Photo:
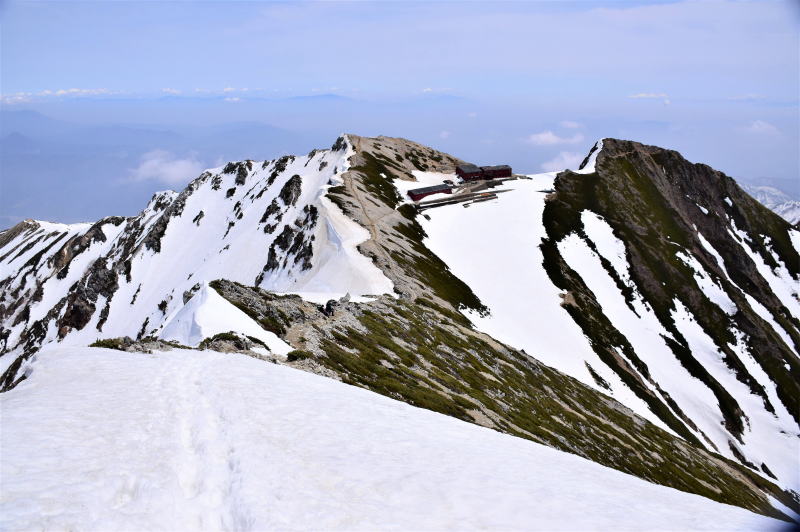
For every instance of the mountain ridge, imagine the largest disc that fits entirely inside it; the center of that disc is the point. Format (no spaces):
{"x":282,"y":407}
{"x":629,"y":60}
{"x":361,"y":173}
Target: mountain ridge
{"x":334,"y":224}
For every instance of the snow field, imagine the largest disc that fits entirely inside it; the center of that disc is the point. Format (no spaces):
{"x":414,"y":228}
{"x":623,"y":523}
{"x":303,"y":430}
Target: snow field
{"x":644,"y":332}
{"x":707,"y":285}
{"x":525,"y":306}
{"x":99,"y":439}
{"x":590,"y":164}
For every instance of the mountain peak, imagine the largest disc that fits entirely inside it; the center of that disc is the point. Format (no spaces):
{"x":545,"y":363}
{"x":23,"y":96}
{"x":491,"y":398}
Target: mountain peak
{"x":644,"y":291}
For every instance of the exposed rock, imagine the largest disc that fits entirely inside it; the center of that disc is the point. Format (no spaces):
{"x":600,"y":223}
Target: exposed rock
{"x":291,"y":190}
{"x":99,"y":280}
{"x":241,"y":170}
{"x":278,"y":168}
{"x":272,"y":210}
{"x":189,"y":294}
{"x":78,"y":244}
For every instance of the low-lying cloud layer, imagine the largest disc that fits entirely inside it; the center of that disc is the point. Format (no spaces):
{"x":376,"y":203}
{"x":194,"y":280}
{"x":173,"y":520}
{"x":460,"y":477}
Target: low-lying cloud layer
{"x":548,"y":138}
{"x":565,"y":160}
{"x":164,"y":167}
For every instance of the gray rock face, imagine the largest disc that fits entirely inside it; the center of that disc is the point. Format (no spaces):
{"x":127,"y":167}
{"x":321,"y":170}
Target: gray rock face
{"x":291,"y":190}
{"x":77,"y":245}
{"x":657,"y":202}
{"x":241,"y":169}
{"x":80,"y":305}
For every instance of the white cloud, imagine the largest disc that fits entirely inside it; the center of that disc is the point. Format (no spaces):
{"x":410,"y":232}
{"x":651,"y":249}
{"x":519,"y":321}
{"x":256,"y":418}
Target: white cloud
{"x":24,"y":97}
{"x":165,"y":167}
{"x":444,"y":134}
{"x":78,"y":92}
{"x":17,"y":97}
{"x":472,"y":114}
{"x":651,"y":96}
{"x":569,"y":124}
{"x":648,"y":96}
{"x":760,"y":127}
{"x":233,"y":99}
{"x":563,"y":161}
{"x":170,"y":91}
{"x":746,"y":98}
{"x":548,"y":138}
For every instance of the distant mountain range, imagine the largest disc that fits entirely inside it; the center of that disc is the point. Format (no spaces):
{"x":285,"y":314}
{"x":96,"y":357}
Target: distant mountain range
{"x":777,"y":201}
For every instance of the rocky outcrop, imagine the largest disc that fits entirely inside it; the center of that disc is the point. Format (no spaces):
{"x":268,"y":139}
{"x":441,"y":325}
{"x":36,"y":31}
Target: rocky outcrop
{"x":80,"y":243}
{"x":291,"y":191}
{"x":657,"y":202}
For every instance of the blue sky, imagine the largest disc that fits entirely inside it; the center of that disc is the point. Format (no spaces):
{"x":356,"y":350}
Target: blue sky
{"x":530,"y":83}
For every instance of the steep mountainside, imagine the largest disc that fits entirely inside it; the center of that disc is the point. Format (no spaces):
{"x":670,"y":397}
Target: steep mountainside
{"x":705,"y":307}
{"x":662,"y":299}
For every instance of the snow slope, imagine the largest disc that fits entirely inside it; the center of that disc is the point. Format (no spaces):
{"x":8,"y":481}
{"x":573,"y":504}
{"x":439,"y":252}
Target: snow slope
{"x":525,"y":306}
{"x":99,"y":440}
{"x":509,"y":277}
{"x":267,"y":224}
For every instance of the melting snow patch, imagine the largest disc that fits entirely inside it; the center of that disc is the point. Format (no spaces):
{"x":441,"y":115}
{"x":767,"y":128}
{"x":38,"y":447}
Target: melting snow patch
{"x":708,"y":247}
{"x":763,"y":431}
{"x":707,"y":285}
{"x":608,"y":245}
{"x":759,"y":309}
{"x":780,"y":281}
{"x":794,"y":236}
{"x":646,"y":335}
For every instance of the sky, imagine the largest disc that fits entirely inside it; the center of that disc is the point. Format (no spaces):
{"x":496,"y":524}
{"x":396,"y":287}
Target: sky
{"x":103,"y":103}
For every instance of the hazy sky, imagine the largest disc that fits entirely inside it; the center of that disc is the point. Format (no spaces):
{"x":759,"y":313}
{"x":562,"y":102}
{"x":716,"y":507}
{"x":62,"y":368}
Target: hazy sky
{"x":138,"y":96}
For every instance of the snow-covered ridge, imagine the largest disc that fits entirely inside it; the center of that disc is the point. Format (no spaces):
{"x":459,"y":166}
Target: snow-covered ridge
{"x":266,"y":223}
{"x":198,"y":440}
